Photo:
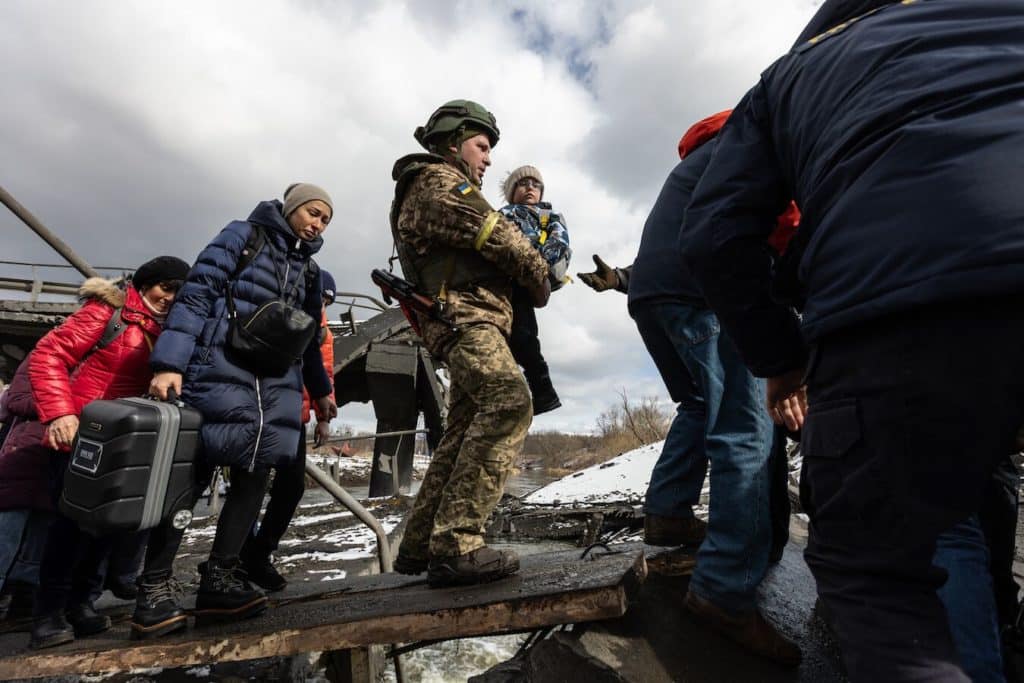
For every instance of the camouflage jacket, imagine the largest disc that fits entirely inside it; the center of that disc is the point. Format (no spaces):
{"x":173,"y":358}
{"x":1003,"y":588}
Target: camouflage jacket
{"x":442,"y":212}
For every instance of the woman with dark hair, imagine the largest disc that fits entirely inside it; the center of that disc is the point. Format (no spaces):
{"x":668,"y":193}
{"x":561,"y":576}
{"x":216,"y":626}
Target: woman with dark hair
{"x":100,"y":352}
{"x":250,"y":413}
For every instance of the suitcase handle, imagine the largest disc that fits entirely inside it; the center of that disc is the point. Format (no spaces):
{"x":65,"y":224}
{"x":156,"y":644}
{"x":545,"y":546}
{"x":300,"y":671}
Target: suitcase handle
{"x":172,"y":397}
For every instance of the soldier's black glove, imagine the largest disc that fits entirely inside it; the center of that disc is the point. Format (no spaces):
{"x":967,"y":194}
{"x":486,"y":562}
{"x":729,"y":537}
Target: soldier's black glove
{"x":605,"y":277}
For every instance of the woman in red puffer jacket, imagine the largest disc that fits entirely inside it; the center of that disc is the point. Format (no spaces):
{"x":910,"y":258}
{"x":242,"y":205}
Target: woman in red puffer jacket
{"x":67,"y":370}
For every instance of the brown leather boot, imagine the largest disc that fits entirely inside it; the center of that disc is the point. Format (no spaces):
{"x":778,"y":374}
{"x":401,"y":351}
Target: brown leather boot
{"x":659,"y":530}
{"x":477,"y":566}
{"x":750,"y":630}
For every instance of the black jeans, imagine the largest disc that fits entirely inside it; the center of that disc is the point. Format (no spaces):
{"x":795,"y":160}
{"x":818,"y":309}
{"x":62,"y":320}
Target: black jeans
{"x":73,"y":562}
{"x":240,"y":510}
{"x":285,"y":493}
{"x":73,"y":565}
{"x":524,"y":343}
{"x":909,"y":416}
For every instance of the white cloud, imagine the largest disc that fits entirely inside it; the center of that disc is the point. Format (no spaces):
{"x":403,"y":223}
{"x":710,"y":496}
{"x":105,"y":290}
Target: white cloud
{"x":137,"y":128}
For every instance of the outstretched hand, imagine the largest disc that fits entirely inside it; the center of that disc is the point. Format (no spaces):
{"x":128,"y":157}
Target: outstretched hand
{"x":601,"y":279}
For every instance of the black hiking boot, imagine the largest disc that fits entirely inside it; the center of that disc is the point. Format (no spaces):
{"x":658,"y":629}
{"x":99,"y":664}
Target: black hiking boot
{"x":225,"y":594}
{"x":157,"y":611}
{"x":86,"y":621}
{"x":672,"y":531}
{"x":261,"y":571}
{"x":50,"y":630}
{"x":477,"y":566}
{"x":16,"y":601}
{"x":406,"y":564}
{"x":120,"y":589}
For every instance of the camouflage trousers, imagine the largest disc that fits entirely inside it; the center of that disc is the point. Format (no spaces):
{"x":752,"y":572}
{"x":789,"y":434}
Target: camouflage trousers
{"x":489,"y":412}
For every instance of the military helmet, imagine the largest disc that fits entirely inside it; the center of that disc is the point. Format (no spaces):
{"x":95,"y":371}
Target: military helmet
{"x":450,"y":117}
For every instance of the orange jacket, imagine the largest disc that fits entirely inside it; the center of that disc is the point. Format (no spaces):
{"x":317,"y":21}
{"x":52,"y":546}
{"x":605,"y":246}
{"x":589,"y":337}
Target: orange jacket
{"x":327,"y":351}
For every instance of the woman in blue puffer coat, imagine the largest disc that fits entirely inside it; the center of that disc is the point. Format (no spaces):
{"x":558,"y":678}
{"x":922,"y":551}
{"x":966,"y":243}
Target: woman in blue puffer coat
{"x":250,"y":422}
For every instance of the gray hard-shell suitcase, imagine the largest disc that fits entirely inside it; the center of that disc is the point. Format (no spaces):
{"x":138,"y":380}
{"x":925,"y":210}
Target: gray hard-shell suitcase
{"x":133,"y":465}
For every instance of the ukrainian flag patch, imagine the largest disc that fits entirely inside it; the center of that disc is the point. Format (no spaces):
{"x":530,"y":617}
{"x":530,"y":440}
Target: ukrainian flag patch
{"x":464,"y":188}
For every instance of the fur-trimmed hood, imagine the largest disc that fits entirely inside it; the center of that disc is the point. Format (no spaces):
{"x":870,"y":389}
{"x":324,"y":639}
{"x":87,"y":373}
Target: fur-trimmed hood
{"x":102,"y":289}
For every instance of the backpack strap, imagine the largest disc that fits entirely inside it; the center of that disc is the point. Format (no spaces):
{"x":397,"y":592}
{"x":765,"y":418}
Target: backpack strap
{"x":253,"y":244}
{"x":257,"y":238}
{"x":544,"y":217}
{"x":114,"y":329}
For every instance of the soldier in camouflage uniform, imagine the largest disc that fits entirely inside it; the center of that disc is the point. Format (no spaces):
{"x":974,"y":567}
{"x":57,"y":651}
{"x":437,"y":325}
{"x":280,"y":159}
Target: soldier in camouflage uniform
{"x":456,"y":248}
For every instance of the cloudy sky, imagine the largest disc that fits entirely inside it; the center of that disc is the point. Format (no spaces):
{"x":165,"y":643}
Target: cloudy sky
{"x":134,"y":129}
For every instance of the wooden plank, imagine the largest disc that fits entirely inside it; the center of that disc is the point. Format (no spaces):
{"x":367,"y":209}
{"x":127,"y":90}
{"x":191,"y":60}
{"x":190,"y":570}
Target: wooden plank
{"x":554,"y":588}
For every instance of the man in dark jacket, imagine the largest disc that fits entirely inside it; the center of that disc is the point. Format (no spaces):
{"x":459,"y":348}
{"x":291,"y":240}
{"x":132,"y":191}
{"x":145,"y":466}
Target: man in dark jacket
{"x":899,"y":134}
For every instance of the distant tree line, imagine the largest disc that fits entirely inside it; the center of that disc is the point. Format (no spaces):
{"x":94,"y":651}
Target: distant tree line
{"x":623,"y":426}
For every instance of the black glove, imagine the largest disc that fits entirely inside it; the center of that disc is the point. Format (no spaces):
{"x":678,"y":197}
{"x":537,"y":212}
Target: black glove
{"x":605,"y":277}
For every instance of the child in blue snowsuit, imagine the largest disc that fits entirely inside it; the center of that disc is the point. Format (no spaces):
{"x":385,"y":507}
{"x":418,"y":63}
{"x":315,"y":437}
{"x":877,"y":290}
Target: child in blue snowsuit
{"x":524,"y":189}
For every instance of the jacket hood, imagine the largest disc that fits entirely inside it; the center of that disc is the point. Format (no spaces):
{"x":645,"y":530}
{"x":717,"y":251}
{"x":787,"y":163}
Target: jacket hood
{"x":417,"y":158}
{"x":270,"y":214}
{"x":702,"y":131}
{"x":835,"y":12}
{"x":101,"y":289}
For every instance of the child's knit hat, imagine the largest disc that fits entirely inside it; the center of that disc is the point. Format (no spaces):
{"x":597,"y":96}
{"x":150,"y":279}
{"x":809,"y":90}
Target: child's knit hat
{"x":509,"y":184}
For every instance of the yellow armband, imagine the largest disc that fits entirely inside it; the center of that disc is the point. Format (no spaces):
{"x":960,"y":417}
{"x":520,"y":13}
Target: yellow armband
{"x":486,"y":229}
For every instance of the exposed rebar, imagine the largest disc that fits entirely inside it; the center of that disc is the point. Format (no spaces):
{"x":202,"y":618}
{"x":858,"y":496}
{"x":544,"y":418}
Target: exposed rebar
{"x":57,"y":243}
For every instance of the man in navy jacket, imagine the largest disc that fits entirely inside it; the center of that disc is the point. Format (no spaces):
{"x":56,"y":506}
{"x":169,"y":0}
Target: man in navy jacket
{"x":899,"y":133}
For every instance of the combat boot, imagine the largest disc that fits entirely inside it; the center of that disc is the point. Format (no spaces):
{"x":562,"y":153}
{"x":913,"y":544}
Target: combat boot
{"x":673,"y":531}
{"x":477,"y":566}
{"x":157,"y":611}
{"x":225,"y":594}
{"x":50,"y":630}
{"x":406,"y":564}
{"x":750,"y":630}
{"x":260,"y":570}
{"x":86,"y":620}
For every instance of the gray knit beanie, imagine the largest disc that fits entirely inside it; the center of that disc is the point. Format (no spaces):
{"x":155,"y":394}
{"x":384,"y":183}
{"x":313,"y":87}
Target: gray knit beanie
{"x":509,"y":185}
{"x":298,"y":194}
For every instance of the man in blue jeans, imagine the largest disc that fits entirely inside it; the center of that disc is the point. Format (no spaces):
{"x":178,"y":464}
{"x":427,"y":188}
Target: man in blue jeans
{"x":721,"y":419}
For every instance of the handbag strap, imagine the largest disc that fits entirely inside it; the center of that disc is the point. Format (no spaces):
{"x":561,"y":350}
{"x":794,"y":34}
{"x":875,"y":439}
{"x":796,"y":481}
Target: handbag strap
{"x":257,"y":239}
{"x":282,"y":284}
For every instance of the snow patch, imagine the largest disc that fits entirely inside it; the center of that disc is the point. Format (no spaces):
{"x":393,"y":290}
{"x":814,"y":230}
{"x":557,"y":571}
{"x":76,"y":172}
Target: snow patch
{"x":622,"y":479}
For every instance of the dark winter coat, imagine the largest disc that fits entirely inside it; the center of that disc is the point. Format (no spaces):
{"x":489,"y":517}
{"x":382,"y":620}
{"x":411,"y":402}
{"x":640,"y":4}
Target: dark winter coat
{"x":25,"y":463}
{"x":900,"y":137}
{"x":659,"y":272}
{"x":248,"y":421}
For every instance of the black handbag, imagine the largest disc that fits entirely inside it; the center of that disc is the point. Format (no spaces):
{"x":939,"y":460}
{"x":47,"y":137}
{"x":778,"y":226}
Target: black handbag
{"x":274,"y":336}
